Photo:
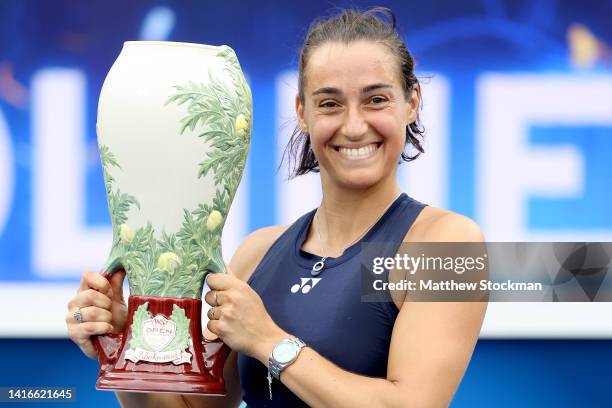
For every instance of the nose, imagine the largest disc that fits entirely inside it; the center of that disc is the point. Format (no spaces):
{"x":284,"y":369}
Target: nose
{"x":355,"y":125}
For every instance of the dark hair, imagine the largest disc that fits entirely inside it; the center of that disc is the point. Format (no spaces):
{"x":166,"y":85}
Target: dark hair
{"x":377,"y":24}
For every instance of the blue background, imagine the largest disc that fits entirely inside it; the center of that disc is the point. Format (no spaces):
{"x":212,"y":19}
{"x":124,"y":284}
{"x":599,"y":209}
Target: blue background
{"x":460,"y":40}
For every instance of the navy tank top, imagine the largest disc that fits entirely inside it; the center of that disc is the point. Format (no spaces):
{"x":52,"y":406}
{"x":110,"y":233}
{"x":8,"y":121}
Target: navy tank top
{"x":326,"y":312}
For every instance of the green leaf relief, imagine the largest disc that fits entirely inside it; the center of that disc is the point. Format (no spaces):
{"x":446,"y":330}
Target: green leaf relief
{"x":181,"y":340}
{"x":140,"y":316}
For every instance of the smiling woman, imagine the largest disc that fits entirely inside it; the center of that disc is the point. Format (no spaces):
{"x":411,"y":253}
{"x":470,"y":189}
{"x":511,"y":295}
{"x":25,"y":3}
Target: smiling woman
{"x":392,"y":61}
{"x":290,"y":306}
{"x":357,"y":109}
{"x":356,"y":113}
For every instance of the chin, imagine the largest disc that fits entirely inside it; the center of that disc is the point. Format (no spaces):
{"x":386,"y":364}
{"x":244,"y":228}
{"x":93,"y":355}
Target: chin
{"x":361,"y":180}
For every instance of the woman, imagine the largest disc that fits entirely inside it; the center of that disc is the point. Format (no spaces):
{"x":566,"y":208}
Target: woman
{"x":357,"y":109}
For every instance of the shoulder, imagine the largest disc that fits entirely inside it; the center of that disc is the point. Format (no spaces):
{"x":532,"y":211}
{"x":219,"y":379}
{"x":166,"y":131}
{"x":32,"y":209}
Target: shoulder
{"x":440,"y":225}
{"x":252,"y":250}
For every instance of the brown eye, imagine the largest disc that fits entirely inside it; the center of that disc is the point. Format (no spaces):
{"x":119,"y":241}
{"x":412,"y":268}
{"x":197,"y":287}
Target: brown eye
{"x":377,"y":100}
{"x":328,"y":104}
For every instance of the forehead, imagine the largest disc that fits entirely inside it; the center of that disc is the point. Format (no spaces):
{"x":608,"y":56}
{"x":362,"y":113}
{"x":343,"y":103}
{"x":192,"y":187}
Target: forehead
{"x":351,"y":66}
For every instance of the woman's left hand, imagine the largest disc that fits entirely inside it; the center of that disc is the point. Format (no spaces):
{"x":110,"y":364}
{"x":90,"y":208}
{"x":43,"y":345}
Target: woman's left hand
{"x":239,"y":317}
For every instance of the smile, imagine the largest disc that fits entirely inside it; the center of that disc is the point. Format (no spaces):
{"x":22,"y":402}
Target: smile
{"x":362,"y":152}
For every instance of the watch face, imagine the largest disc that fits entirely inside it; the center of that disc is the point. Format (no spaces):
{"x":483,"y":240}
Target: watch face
{"x":284,"y":352}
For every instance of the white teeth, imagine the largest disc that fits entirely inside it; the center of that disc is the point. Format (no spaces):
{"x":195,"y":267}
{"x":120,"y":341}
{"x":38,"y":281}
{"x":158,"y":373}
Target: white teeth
{"x":362,"y":151}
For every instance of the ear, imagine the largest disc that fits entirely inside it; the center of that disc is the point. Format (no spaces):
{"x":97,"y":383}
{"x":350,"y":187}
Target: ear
{"x":299,"y":111}
{"x":414,"y":103}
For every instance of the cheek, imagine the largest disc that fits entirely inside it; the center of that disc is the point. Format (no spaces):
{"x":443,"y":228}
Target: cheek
{"x":392,"y":130}
{"x":323,"y":129}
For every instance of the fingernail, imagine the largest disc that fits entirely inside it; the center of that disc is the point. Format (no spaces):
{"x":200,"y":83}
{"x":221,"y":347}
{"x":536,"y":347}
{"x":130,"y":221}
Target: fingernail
{"x":111,"y":293}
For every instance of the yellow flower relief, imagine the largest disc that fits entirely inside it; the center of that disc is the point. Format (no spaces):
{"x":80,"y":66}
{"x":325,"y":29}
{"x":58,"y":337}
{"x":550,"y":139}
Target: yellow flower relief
{"x":241,"y":125}
{"x":168,"y":261}
{"x":125,"y":233}
{"x":214,"y":220}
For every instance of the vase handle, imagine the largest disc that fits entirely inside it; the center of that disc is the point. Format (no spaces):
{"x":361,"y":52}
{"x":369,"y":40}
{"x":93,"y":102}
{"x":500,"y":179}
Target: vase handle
{"x":215,"y":354}
{"x":107,"y":345}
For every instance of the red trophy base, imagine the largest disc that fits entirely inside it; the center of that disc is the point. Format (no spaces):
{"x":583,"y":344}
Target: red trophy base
{"x":202,"y":375}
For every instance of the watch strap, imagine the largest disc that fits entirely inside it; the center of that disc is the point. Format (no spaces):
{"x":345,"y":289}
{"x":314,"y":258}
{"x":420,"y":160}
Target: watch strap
{"x":274,"y":367}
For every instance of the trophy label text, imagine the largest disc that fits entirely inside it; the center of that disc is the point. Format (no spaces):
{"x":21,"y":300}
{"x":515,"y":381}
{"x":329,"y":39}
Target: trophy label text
{"x":158,"y":332}
{"x":158,"y":339}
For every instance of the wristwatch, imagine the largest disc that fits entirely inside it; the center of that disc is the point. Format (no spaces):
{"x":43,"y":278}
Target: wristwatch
{"x":283,"y":354}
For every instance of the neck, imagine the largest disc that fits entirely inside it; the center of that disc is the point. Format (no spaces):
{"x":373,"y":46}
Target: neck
{"x":346,"y":214}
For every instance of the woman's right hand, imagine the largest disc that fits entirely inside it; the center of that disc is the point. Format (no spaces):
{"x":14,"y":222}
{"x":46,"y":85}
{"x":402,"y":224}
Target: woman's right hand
{"x":102,"y":307}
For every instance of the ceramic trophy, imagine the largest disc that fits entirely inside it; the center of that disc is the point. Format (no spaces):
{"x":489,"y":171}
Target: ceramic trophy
{"x":174,"y":126}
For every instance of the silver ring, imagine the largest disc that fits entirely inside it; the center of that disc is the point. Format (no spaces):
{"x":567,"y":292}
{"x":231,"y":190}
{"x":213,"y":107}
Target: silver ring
{"x":78,"y":316}
{"x":215,"y":296}
{"x":212,"y":313}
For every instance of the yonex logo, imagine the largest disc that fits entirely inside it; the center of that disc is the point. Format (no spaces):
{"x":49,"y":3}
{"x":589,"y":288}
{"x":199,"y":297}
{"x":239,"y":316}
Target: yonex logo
{"x":305,"y":285}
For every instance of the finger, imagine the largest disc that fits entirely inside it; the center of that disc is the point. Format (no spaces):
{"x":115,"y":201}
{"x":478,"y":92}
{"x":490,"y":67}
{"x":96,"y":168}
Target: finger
{"x":96,"y":314}
{"x":116,"y":283}
{"x":221,"y":281}
{"x":214,"y":313}
{"x":89,"y":349}
{"x":92,"y":280}
{"x":228,"y":270}
{"x":209,"y":297}
{"x":81,"y":332}
{"x":209,"y":335}
{"x":214,"y":297}
{"x":70,"y":317}
{"x":90,"y":297}
{"x":84,"y":342}
{"x":213,"y":327}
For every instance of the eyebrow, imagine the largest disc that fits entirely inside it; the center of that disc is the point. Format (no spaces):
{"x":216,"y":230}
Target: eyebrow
{"x":364,"y":90}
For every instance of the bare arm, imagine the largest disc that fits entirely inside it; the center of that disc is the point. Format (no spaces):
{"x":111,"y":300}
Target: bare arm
{"x":431,"y":346}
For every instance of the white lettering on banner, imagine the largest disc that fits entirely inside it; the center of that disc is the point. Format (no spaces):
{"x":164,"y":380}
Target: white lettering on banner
{"x":509,"y":170}
{"x":7,"y":177}
{"x":176,"y":356}
{"x":158,"y":332}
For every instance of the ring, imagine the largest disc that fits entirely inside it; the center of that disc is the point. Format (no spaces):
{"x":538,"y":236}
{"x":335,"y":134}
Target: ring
{"x":215,"y":296}
{"x":212,"y":313}
{"x":78,"y":316}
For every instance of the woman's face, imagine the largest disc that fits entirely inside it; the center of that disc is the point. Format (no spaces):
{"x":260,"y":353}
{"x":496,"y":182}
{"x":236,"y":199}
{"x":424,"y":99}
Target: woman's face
{"x":355,"y":112}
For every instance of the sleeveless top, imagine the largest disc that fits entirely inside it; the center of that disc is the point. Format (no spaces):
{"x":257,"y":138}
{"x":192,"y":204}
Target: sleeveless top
{"x":326,"y":312}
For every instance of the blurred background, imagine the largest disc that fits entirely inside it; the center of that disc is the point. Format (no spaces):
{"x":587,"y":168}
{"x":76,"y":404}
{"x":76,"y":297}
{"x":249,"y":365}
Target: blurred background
{"x":518,"y":112}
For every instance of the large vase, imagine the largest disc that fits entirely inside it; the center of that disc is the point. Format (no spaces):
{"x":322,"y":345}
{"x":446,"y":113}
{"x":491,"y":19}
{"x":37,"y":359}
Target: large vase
{"x":174,"y":126}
